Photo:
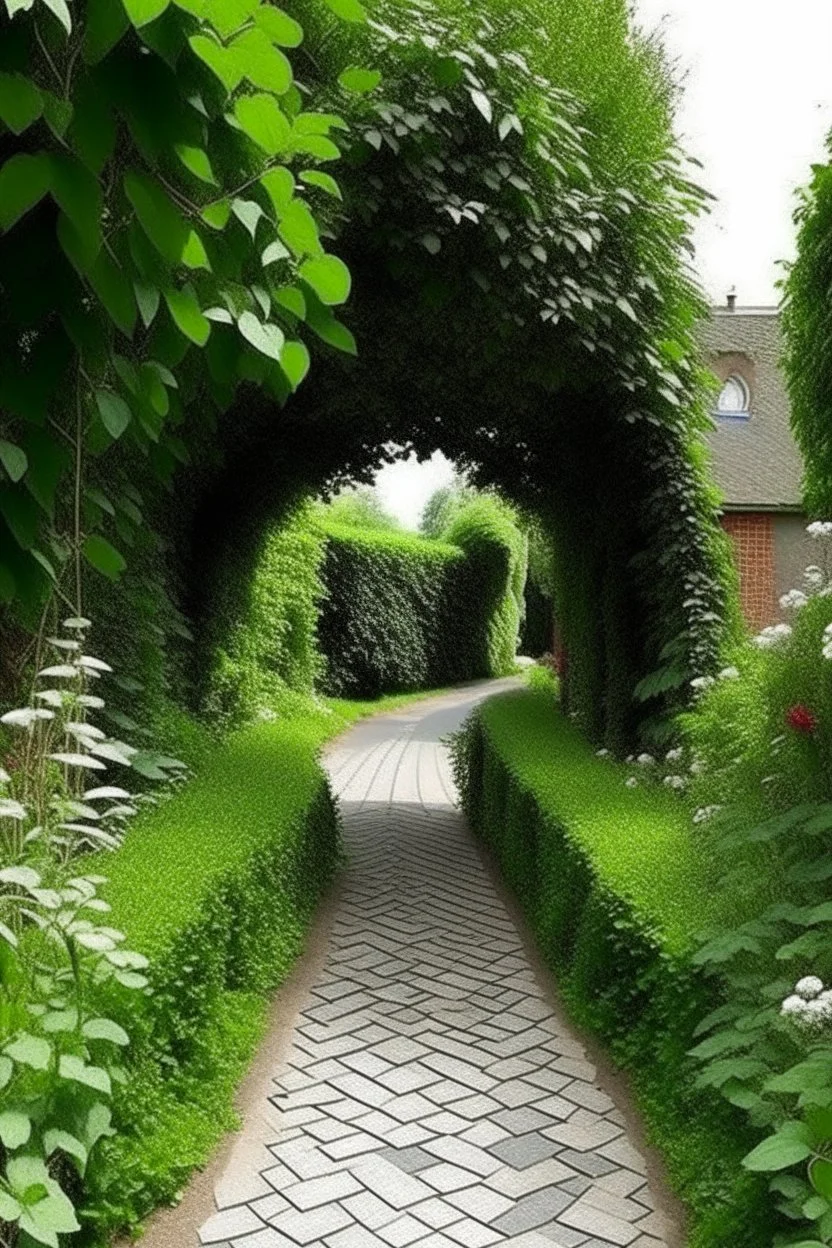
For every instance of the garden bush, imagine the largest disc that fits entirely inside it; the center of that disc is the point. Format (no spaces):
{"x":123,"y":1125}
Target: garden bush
{"x":616,"y":891}
{"x":215,"y":887}
{"x":402,"y":612}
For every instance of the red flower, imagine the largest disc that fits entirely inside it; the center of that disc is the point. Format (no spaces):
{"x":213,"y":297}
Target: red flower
{"x":801,"y":719}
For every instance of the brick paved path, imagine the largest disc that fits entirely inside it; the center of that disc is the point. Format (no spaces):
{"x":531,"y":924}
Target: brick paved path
{"x":432,"y":1096}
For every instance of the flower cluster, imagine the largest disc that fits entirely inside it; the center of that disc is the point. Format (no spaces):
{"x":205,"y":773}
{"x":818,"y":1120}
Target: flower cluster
{"x":826,"y":642}
{"x":810,"y":1003}
{"x":772,"y":636}
{"x":820,"y":529}
{"x":704,"y":813}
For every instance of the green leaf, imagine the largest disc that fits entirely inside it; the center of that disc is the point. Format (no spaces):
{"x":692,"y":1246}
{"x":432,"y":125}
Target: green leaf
{"x":24,"y":180}
{"x":220,"y":60}
{"x":10,"y":1209}
{"x":194,"y":255}
{"x":249,"y":213}
{"x":262,"y":63}
{"x":820,"y":1176}
{"x":292,"y":298}
{"x":13,"y":460}
{"x":187,"y":314}
{"x":61,"y":11}
{"x":106,"y":559}
{"x":141,"y":12}
{"x":105,"y":24}
{"x":105,"y":1029}
{"x":196,"y":160}
{"x":266,"y":338}
{"x":274,"y":252}
{"x":315,"y":177}
{"x":279,"y":26}
{"x":148,"y":298}
{"x":114,"y":290}
{"x":160,"y":219}
{"x":77,"y":192}
{"x":348,"y":10}
{"x":20,"y":102}
{"x":79,"y":1071}
{"x":6,"y":1070}
{"x":261,"y":119}
{"x":358,"y":80}
{"x":279,"y":185}
{"x":217,"y":215}
{"x":294,"y":360}
{"x":50,"y":1217}
{"x":114,"y":412}
{"x":329,"y":277}
{"x":777,"y":1152}
{"x":298,"y":229}
{"x":56,"y":1139}
{"x":31,"y":1051}
{"x":226,"y":16}
{"x":15,"y":1128}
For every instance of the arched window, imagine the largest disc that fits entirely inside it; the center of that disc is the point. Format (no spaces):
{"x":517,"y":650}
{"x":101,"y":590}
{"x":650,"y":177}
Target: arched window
{"x":733,"y":398}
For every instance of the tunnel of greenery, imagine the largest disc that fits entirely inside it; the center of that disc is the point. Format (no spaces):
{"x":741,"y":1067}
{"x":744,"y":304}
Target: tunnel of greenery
{"x":515,"y":216}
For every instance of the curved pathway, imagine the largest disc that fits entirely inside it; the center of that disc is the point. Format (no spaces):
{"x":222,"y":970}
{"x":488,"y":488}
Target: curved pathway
{"x":432,"y":1094}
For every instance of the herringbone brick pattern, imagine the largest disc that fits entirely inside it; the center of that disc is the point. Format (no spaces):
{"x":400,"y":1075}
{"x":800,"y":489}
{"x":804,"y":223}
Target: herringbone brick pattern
{"x":432,"y":1095}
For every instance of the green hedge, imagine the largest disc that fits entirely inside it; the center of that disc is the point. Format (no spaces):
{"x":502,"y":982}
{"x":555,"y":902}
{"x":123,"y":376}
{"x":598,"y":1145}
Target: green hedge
{"x":216,"y":886}
{"x":616,"y":890}
{"x":402,"y":612}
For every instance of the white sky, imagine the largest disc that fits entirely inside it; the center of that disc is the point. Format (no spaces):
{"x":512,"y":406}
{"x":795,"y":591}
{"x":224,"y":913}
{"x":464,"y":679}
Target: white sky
{"x":756,"y":110}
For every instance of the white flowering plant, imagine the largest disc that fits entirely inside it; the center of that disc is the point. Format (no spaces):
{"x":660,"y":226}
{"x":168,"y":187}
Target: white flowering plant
{"x":765,"y":795}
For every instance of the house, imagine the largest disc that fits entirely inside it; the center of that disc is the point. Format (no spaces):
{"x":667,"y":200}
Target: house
{"x":755,"y":459}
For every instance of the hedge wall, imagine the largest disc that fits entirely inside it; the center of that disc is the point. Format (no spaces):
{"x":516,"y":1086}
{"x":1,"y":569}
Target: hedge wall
{"x":615,"y":892}
{"x":401,"y":612}
{"x":216,"y":887}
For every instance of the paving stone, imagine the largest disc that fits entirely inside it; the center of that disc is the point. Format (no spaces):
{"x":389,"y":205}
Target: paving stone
{"x":269,"y":1206}
{"x":411,"y":1160}
{"x":448,"y":1178}
{"x":436,"y":1212}
{"x":309,"y":1226}
{"x":472,"y":1234}
{"x":390,"y":1183}
{"x":369,"y":1210}
{"x":603,"y":1226}
{"x":517,"y":1183}
{"x":461,"y":1153}
{"x":480,"y":1202}
{"x":403,"y":1231}
{"x":229,"y":1223}
{"x":267,"y":1238}
{"x":521,"y":1121}
{"x":354,"y":1237}
{"x":534,"y":1210}
{"x":524,"y":1150}
{"x":326,"y":1190}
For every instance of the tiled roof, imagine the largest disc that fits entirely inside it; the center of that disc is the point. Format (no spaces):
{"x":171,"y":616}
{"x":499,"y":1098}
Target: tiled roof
{"x":756,"y":462}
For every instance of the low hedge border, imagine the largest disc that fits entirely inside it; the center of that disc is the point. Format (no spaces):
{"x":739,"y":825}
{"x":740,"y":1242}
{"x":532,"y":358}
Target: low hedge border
{"x":616,"y":892}
{"x":216,"y":886}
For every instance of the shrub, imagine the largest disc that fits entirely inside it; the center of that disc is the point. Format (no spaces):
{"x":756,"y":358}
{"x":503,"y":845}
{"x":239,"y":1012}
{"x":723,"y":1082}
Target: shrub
{"x":215,"y":887}
{"x":265,"y":628}
{"x":616,"y":891}
{"x":402,"y":612}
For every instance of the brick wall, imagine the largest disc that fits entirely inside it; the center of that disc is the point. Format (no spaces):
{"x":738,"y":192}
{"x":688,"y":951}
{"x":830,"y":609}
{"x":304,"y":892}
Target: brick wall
{"x":752,"y":534}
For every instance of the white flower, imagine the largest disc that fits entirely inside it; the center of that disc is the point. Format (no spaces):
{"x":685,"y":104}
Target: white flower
{"x":820,"y":528}
{"x":771,"y":636}
{"x":793,"y":1005}
{"x":697,"y":767}
{"x":4,"y":776}
{"x":813,"y":578}
{"x":729,"y":673}
{"x":704,"y":813}
{"x":10,"y":809}
{"x":267,"y":714}
{"x":793,"y":600}
{"x":673,"y":756}
{"x":675,"y":782}
{"x":602,"y":753}
{"x":26,"y":716}
{"x":808,"y":987}
{"x":631,"y":782}
{"x":645,"y":760}
{"x":702,"y":682}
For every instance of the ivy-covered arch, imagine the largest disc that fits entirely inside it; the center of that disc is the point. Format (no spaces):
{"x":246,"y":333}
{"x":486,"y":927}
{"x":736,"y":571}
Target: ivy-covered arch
{"x":519,"y":300}
{"x":515,"y":215}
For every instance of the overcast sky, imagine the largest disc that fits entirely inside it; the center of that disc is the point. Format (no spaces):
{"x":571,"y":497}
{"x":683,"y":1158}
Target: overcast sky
{"x":756,"y":109}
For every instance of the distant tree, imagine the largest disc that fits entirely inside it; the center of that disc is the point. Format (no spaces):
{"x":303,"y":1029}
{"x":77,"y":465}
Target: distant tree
{"x":359,"y":507}
{"x":443,"y":506}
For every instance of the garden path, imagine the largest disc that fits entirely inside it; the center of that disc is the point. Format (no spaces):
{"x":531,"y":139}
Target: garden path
{"x":432,"y":1093}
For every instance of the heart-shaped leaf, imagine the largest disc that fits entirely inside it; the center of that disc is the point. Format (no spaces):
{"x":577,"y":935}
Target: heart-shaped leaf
{"x":220,"y":60}
{"x":329,"y":277}
{"x":266,"y":338}
{"x":114,"y":412}
{"x":13,"y":460}
{"x":261,"y":119}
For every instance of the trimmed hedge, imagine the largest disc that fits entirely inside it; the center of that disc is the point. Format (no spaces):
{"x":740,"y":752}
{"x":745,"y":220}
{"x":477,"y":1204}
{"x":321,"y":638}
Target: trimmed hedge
{"x":616,"y":890}
{"x":216,"y":886}
{"x":402,"y":612}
